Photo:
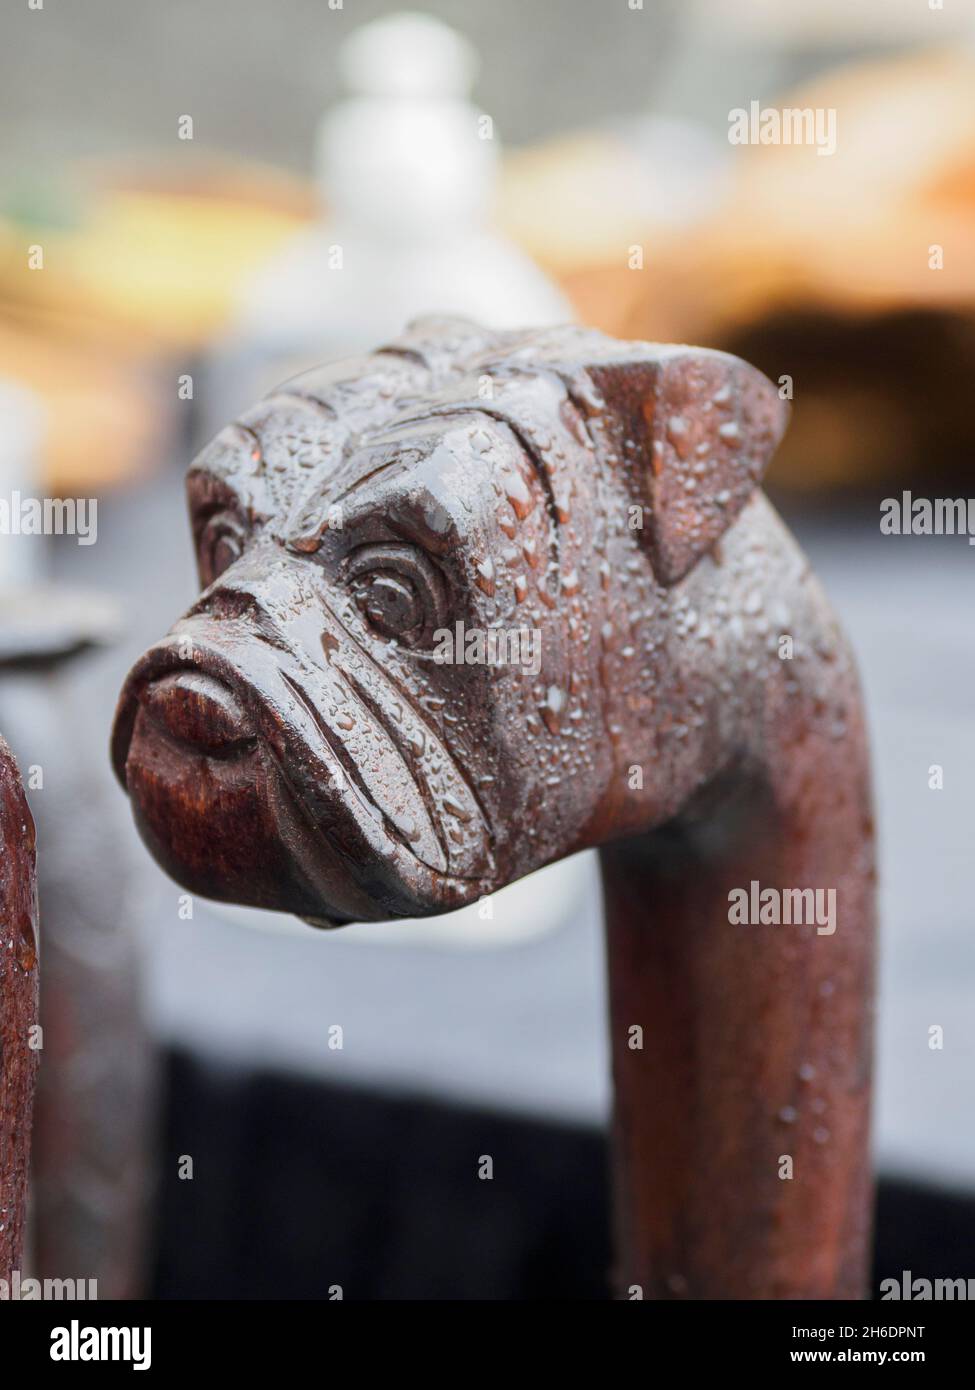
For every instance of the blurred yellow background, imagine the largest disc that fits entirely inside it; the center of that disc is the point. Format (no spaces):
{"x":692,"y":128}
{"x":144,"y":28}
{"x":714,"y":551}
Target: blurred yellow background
{"x":815,"y":267}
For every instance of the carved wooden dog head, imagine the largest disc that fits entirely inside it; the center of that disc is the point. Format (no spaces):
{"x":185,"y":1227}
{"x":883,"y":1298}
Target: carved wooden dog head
{"x":329,"y":730}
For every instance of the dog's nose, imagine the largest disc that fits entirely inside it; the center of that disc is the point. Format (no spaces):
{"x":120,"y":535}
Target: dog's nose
{"x":196,"y":710}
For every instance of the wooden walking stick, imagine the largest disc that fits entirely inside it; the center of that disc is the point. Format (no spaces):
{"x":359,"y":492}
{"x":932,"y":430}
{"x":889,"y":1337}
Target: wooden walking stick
{"x":18,"y":1009}
{"x":481,"y":600}
{"x":94,"y":1107}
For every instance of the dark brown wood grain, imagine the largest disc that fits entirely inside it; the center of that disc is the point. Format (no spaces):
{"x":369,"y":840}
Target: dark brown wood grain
{"x":757,"y":1038}
{"x":691,"y":710}
{"x":92,"y":1172}
{"x":18,"y":1008}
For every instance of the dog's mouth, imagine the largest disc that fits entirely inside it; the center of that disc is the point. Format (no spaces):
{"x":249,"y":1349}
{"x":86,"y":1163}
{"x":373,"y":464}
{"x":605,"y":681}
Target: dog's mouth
{"x":258,"y":779}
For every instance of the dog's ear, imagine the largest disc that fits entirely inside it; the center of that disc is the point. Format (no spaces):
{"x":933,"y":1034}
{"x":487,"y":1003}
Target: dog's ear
{"x":695,"y":430}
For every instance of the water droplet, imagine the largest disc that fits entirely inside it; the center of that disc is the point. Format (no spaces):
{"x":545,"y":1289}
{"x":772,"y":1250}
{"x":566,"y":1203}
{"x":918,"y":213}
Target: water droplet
{"x":485,"y":576}
{"x":553,"y":708}
{"x":518,"y":494}
{"x":452,"y":807}
{"x":25,"y":947}
{"x":549,"y":600}
{"x":678,"y":432}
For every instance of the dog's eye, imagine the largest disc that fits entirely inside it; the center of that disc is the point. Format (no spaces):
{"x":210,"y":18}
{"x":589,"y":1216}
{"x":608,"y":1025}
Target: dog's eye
{"x":398,"y":592}
{"x":221,"y":542}
{"x":391,"y":604}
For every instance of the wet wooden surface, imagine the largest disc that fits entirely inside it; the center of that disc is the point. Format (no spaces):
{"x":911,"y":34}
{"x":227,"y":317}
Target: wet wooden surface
{"x":19,"y":1043}
{"x":284,"y":747}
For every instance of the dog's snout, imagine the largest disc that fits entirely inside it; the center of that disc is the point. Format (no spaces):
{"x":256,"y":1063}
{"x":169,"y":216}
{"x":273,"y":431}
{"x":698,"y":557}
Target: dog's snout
{"x":198,"y":711}
{"x":228,"y":602}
